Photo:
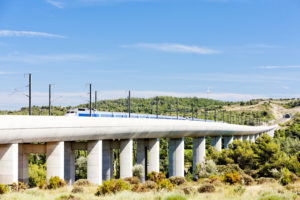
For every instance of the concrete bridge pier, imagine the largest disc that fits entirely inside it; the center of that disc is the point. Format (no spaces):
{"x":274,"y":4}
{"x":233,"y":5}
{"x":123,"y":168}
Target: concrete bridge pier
{"x":23,"y":171}
{"x":141,"y":155}
{"x":153,"y":155}
{"x":198,"y":151}
{"x":252,"y":138}
{"x":107,"y":160}
{"x":94,"y":161}
{"x":238,"y":137}
{"x":227,"y":140}
{"x":246,"y":138}
{"x":8,"y":163}
{"x":176,"y":157}
{"x":126,"y":156}
{"x":216,"y":141}
{"x":60,"y":161}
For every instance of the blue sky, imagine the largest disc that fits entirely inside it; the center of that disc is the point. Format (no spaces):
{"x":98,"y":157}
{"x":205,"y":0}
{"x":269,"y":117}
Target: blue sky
{"x":222,"y":49}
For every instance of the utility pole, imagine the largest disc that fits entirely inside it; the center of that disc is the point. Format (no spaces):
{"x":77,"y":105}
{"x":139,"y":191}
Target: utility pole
{"x":96,"y":100}
{"x":49,"y":99}
{"x":215,"y":117}
{"x":229,"y":117}
{"x":223,"y":119}
{"x":192,"y":111}
{"x":129,"y":104}
{"x":157,"y":107}
{"x":177,"y":108}
{"x":29,"y":86}
{"x":205,"y":114}
{"x":90,"y":100}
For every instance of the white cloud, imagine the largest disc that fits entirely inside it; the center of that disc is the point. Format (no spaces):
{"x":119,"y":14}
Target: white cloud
{"x":177,"y":48}
{"x":12,"y":33}
{"x":42,"y":58}
{"x":281,"y":67}
{"x":56,"y":3}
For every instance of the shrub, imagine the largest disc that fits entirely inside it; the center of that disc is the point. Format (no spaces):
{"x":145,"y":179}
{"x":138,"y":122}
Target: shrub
{"x":150,"y":184}
{"x":246,"y":179}
{"x":177,"y":180}
{"x":82,"y":182}
{"x":188,"y":190}
{"x":156,"y":176}
{"x":77,"y":189}
{"x":174,"y":197}
{"x":68,"y":197}
{"x":164,"y":184}
{"x":132,"y":180}
{"x":4,"y":189}
{"x":42,"y":184}
{"x":232,"y":178}
{"x":111,"y":186}
{"x":206,"y":188}
{"x":275,"y":173}
{"x":37,"y":173}
{"x":205,"y":170}
{"x":265,"y":180}
{"x":18,"y":187}
{"x":229,"y":168}
{"x":138,"y":171}
{"x":55,"y":182}
{"x":214,"y":180}
{"x":285,"y":179}
{"x":240,"y":190}
{"x":139,"y":188}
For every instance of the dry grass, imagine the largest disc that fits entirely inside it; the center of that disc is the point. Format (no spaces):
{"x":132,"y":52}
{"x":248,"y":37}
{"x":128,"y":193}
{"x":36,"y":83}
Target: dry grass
{"x":224,"y":192}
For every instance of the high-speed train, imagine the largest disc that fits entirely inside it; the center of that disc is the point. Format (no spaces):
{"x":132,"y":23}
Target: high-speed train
{"x":85,"y":112}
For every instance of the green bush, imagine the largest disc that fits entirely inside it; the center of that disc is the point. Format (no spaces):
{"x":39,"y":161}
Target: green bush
{"x":174,"y":197}
{"x":55,"y":182}
{"x":37,"y":173}
{"x":177,"y":180}
{"x":132,"y":180}
{"x":18,"y":187}
{"x":205,"y":170}
{"x":138,"y":171}
{"x":232,"y":178}
{"x":111,"y":187}
{"x":42,"y":184}
{"x":286,"y":177}
{"x":4,"y":189}
{"x":164,"y":184}
{"x":240,"y":190}
{"x":156,"y":176}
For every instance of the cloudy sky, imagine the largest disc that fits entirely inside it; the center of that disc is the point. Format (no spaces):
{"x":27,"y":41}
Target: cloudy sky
{"x":222,"y":49}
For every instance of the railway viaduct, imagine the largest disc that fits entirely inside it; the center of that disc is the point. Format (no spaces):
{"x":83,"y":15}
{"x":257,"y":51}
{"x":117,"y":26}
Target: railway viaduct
{"x":59,"y":137}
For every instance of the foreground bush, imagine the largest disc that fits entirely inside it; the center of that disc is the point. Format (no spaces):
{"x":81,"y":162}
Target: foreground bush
{"x":37,"y":173}
{"x":4,"y":189}
{"x":265,"y":180}
{"x":150,"y":185}
{"x":246,"y":179}
{"x":161,"y":181}
{"x":55,"y":182}
{"x":111,"y":187}
{"x":206,"y":188}
{"x":132,"y":180}
{"x":205,"y":170}
{"x":18,"y":187}
{"x":232,"y":178}
{"x":177,"y":180}
{"x":82,"y":182}
{"x":286,"y":177}
{"x":174,"y":197}
{"x":77,"y":189}
{"x":138,"y":171}
{"x":156,"y":176}
{"x":188,"y":190}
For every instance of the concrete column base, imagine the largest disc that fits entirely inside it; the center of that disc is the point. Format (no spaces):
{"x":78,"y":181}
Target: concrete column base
{"x":94,"y":161}
{"x":55,"y":159}
{"x":126,"y":156}
{"x":69,"y":163}
{"x":176,"y":157}
{"x":8,"y":163}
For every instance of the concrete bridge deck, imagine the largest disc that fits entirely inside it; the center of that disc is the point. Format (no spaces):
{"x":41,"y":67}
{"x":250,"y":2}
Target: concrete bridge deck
{"x":59,"y":136}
